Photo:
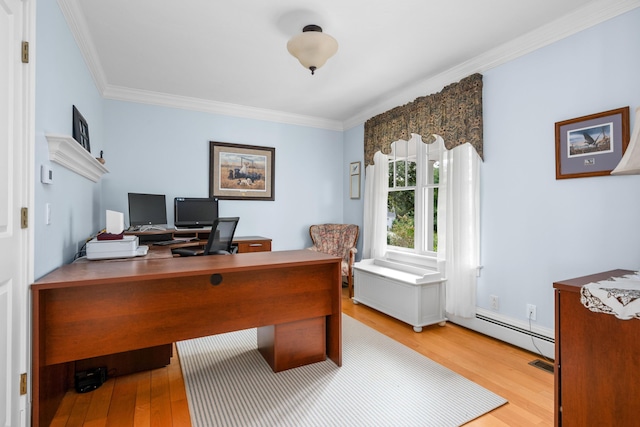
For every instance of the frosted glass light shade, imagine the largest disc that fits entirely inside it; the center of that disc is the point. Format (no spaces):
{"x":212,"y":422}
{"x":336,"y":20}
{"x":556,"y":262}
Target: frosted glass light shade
{"x":312,"y":47}
{"x":630,"y":162}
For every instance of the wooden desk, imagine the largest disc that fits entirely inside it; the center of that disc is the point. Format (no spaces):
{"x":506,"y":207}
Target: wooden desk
{"x":597,"y":360}
{"x":85,"y":310}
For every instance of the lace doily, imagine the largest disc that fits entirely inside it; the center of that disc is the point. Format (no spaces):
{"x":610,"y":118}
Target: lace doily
{"x":619,"y":296}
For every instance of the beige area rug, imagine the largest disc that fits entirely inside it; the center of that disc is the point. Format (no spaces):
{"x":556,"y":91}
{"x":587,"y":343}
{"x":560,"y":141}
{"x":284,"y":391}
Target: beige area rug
{"x":381,"y":383}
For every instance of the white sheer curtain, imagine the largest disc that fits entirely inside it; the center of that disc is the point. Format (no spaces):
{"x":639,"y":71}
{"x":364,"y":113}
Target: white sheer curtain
{"x":458,"y":227}
{"x":376,"y":187}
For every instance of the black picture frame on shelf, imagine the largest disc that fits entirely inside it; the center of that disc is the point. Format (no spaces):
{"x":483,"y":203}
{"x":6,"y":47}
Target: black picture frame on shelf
{"x":80,"y":129}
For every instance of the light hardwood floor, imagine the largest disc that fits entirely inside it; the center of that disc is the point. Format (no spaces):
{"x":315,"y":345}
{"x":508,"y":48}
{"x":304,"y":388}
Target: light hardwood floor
{"x":158,"y":397}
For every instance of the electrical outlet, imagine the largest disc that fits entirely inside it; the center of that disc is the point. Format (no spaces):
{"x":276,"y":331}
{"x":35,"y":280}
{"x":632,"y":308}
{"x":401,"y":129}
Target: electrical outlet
{"x":531,"y":311}
{"x":495,"y":303}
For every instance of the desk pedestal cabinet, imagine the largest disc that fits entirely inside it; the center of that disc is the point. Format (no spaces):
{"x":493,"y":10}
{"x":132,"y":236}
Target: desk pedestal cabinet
{"x":248,"y":244}
{"x":597,"y":366}
{"x":88,"y":310}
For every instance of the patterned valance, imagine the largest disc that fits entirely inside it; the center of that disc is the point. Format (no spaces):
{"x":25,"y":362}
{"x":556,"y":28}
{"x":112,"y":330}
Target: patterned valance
{"x":455,"y":113}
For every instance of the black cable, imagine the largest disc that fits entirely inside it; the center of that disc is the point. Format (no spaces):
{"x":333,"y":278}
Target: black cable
{"x":534,"y":343}
{"x":82,"y":252}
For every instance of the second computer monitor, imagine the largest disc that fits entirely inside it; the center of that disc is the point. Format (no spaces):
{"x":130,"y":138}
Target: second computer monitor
{"x":194,"y":212}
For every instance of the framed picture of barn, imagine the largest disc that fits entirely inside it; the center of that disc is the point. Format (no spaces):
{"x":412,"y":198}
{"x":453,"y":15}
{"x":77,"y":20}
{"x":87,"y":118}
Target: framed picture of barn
{"x":241,"y":172}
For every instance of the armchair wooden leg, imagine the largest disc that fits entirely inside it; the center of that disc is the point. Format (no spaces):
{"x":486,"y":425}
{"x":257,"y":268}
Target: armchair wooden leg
{"x":350,"y":282}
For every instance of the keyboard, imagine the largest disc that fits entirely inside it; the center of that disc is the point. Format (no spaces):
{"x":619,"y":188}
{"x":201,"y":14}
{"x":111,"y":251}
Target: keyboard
{"x":200,"y":228}
{"x":168,"y":242}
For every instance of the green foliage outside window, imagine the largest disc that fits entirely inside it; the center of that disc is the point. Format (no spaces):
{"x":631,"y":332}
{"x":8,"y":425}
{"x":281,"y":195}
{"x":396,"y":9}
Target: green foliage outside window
{"x":401,"y":204}
{"x":402,"y":228}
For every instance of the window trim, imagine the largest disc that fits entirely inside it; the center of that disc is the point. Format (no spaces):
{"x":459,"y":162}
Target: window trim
{"x":419,"y":254}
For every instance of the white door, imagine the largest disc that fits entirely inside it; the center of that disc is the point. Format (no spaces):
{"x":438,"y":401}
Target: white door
{"x":16,"y":133}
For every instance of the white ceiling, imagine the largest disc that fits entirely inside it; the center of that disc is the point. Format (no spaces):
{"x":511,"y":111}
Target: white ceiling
{"x":230,"y":56}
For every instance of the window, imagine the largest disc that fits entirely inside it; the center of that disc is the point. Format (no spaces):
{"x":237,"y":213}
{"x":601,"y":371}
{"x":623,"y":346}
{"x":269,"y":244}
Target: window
{"x":412,"y":205}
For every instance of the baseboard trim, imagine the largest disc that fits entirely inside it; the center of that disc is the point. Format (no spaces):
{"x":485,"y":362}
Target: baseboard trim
{"x":535,"y":339}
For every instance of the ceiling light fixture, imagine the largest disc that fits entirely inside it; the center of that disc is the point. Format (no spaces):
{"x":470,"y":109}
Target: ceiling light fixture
{"x":312,"y":47}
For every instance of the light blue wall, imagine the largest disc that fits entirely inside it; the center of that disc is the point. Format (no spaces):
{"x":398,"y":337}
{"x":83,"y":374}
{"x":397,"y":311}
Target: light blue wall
{"x":166,"y":151}
{"x":354,"y":152}
{"x":62,"y":80}
{"x":535,"y":229}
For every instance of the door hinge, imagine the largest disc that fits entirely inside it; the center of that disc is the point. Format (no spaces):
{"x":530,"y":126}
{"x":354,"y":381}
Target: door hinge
{"x":25,"y":52}
{"x":24,"y":217}
{"x":23,"y":384}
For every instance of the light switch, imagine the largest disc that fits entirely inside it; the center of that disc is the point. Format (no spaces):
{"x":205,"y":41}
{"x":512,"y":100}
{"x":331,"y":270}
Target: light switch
{"x":47,"y":213}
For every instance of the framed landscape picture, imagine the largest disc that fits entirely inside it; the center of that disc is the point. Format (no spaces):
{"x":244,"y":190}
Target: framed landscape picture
{"x":591,"y":145}
{"x":241,"y":172}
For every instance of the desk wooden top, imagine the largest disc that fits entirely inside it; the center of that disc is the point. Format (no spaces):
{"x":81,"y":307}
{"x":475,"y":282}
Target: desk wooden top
{"x":97,"y":272}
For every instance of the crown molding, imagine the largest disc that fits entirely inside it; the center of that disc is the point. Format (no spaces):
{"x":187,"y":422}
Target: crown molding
{"x":197,"y":104}
{"x":592,"y":14}
{"x":77,"y":24}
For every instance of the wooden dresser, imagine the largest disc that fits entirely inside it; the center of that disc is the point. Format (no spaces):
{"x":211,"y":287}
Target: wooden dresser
{"x":597,"y":366}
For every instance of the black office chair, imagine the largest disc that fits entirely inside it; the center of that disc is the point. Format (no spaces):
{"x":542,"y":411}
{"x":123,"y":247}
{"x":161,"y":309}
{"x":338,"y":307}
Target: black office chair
{"x":220,"y":240}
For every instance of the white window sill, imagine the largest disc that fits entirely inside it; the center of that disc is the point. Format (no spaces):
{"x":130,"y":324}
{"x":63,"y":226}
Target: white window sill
{"x":400,"y":272}
{"x":411,"y":258}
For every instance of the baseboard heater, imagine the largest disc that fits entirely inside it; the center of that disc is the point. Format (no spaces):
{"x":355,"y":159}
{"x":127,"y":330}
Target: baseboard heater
{"x":515,"y":328}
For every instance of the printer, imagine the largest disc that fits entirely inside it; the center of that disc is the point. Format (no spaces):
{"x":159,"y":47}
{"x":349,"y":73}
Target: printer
{"x":127,"y":247}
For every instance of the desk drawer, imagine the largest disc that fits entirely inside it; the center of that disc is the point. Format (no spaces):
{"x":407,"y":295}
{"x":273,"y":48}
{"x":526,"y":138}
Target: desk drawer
{"x":254,"y":246}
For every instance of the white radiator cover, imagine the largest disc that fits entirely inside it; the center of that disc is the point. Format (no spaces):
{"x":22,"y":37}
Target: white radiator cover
{"x":411,"y":294}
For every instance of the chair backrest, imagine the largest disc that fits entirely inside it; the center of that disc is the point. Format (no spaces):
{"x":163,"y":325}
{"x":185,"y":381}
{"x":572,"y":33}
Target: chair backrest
{"x":221,"y":236}
{"x":334,"y":239}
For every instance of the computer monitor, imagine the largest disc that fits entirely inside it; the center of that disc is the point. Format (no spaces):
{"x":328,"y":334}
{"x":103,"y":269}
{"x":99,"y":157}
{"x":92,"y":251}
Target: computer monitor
{"x":147,"y":209}
{"x":194,"y":212}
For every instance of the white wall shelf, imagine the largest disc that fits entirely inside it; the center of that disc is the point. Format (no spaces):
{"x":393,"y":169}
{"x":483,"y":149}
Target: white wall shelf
{"x":67,"y":152}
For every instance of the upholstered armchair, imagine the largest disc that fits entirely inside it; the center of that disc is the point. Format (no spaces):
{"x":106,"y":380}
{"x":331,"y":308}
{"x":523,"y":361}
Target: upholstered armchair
{"x":338,"y":240}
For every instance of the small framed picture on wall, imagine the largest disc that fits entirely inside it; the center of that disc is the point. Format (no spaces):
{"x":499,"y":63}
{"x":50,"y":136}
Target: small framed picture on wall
{"x":591,"y":145}
{"x":354,"y":180}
